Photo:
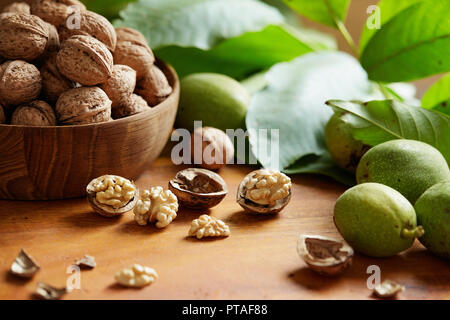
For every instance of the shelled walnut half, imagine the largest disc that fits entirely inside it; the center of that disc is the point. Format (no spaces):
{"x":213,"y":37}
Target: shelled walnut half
{"x":157,"y":206}
{"x":198,"y":188}
{"x":324,"y":255}
{"x":136,"y":276}
{"x":111,"y":195}
{"x":207,"y":226}
{"x":264,"y":191}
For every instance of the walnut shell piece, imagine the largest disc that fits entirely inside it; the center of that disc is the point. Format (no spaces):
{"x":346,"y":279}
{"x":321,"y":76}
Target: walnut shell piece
{"x":94,"y":25}
{"x":22,"y":36}
{"x":135,"y":55}
{"x":211,"y":148}
{"x":388,"y":289}
{"x":111,"y":195}
{"x":120,"y":85}
{"x":136,"y":276}
{"x":56,"y":12}
{"x":47,"y":292}
{"x":134,"y":104}
{"x":20,"y":82}
{"x":157,"y":206}
{"x":35,"y":113}
{"x":82,"y":106}
{"x":53,"y":82}
{"x":153,"y":86}
{"x":323,"y":255}
{"x":18,"y":7}
{"x":264,"y":191}
{"x":198,"y":189}
{"x":24,"y":265}
{"x":84,"y":59}
{"x":207,"y":226}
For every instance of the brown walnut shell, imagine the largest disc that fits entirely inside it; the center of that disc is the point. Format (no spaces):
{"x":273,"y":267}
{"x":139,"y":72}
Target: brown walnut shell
{"x":134,"y":104}
{"x":17,"y":7}
{"x":135,"y":55}
{"x":36,"y":113}
{"x":153,"y":86}
{"x":131,"y":35}
{"x":20,"y":82}
{"x":198,"y":189}
{"x":94,"y":25}
{"x":85,"y":60}
{"x":53,"y":82}
{"x":53,"y":43}
{"x":56,"y":12}
{"x":323,"y":255}
{"x":83,"y":105}
{"x":2,"y":114}
{"x":22,"y":36}
{"x":120,"y":85}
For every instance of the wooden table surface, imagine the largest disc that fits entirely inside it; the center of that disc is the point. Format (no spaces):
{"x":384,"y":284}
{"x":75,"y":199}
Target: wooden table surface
{"x":258,"y":261}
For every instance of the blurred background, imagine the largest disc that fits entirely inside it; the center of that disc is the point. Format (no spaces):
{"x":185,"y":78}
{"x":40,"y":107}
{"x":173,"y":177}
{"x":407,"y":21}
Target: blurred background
{"x":356,"y":18}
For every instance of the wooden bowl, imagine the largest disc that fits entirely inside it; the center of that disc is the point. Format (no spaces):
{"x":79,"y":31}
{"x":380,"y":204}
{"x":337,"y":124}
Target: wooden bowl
{"x":43,"y":163}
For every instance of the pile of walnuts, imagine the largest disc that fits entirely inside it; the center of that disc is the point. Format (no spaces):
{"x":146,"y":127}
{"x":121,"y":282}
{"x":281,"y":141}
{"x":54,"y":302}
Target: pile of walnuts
{"x":62,"y":64}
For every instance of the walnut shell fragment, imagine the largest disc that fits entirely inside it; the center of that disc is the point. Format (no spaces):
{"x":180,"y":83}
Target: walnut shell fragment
{"x":111,"y":195}
{"x":84,"y":59}
{"x":388,"y":289}
{"x":87,"y":262}
{"x":198,"y":189}
{"x":120,"y":85}
{"x":153,"y":86}
{"x":264,"y":191}
{"x":24,"y":266}
{"x":323,"y":255}
{"x":48,"y":292}
{"x":18,"y":7}
{"x":36,"y":113}
{"x":22,"y":36}
{"x":56,"y":12}
{"x":134,"y":104}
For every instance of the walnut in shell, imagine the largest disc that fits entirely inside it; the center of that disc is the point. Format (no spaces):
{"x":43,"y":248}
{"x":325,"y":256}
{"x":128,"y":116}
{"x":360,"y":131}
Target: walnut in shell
{"x":56,"y":12}
{"x":134,"y":104}
{"x":22,"y":36}
{"x":18,"y":7}
{"x":36,"y":113}
{"x":2,"y":114}
{"x":84,"y":59}
{"x":20,"y":82}
{"x":135,"y":55}
{"x":82,"y":106}
{"x":94,"y":25}
{"x":211,"y":148}
{"x":153,"y":86}
{"x":53,"y":42}
{"x":131,"y":35}
{"x":120,"y":85}
{"x":53,"y":82}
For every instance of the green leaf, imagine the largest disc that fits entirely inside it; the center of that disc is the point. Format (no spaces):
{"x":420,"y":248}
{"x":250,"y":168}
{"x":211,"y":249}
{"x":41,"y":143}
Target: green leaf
{"x":323,"y":11}
{"x":107,"y":8}
{"x":388,"y":9}
{"x":412,"y":45}
{"x":438,"y":96}
{"x":294,"y":103}
{"x":196,"y":23}
{"x":376,"y":122}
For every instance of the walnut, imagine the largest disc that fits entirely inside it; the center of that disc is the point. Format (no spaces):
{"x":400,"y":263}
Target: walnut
{"x":84,"y":59}
{"x":18,"y":7}
{"x":53,"y":42}
{"x":120,"y":85}
{"x":211,"y":148}
{"x":94,"y":25}
{"x":207,"y":226}
{"x":153,"y":86}
{"x":2,"y":114}
{"x":135,"y":55}
{"x":131,"y":35}
{"x":134,"y":104}
{"x":37,"y":113}
{"x":264,"y":191}
{"x":83,"y":105}
{"x":20,"y":82}
{"x":111,"y":195}
{"x":53,"y":82}
{"x":156,"y":205}
{"x":56,"y":12}
{"x":136,"y":276}
{"x":22,"y":36}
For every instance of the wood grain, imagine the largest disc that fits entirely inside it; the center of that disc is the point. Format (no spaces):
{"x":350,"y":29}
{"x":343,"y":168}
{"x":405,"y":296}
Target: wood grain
{"x":40,"y":163}
{"x":258,"y":261}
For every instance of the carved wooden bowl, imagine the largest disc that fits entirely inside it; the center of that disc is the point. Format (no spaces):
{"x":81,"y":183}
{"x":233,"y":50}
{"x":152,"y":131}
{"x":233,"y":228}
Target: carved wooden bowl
{"x":43,"y":163}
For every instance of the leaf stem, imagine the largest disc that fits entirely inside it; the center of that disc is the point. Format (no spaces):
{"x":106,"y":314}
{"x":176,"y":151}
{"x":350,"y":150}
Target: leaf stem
{"x":347,"y":36}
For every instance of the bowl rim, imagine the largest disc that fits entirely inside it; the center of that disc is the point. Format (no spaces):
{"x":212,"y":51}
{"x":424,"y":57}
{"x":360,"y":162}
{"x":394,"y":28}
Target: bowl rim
{"x":151,"y":110}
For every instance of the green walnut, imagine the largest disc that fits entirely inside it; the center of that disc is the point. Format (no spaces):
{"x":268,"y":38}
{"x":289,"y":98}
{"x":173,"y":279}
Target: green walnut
{"x":433,"y":213}
{"x":345,"y":150}
{"x":376,"y":220}
{"x":215,"y":99}
{"x":408,"y":166}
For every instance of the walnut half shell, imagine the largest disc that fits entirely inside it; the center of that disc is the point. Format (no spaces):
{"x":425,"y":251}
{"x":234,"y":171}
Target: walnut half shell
{"x":198,"y":188}
{"x":323,"y":255}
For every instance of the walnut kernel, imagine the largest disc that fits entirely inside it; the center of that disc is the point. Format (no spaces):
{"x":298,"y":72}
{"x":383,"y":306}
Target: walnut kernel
{"x":207,"y":226}
{"x":156,"y":205}
{"x":18,"y":7}
{"x":35,"y":113}
{"x":134,"y":104}
{"x":120,"y":85}
{"x":153,"y":86}
{"x":136,"y":276}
